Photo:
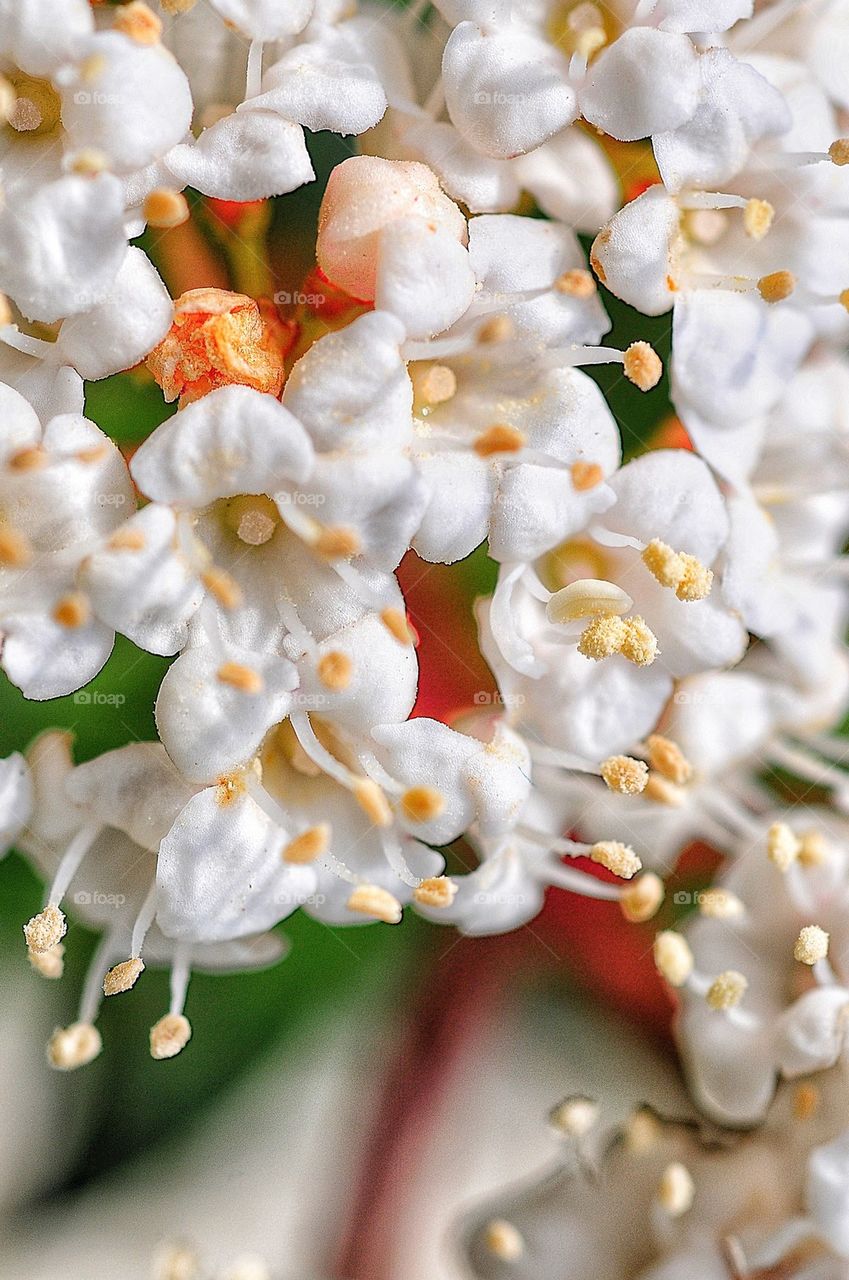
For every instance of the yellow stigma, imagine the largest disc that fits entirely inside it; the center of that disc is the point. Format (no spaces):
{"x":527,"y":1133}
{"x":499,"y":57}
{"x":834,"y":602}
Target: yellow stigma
{"x":433,"y":384}
{"x":727,"y":990}
{"x":642,"y":900}
{"x":503,"y":1240}
{"x":616,"y":857}
{"x":625,"y":775}
{"x":239,"y":677}
{"x":437,"y":892}
{"x":811,"y":945}
{"x":371,"y":900}
{"x":758,"y":218}
{"x":169,"y":1036}
{"x":73,"y":1046}
{"x":45,"y":930}
{"x":682,"y":573}
{"x":309,"y":845}
{"x":668,"y":759}
{"x":165,"y":208}
{"x":422,"y":804}
{"x":673,"y":957}
{"x":643,"y":366}
{"x":777,"y":286}
{"x":676,"y":1191}
{"x":123,"y":976}
{"x":253,"y":518}
{"x":577,"y":283}
{"x":500,"y":438}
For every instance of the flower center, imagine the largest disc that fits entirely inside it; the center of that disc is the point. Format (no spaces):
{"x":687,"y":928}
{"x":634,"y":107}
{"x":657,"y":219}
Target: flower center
{"x":582,"y":28}
{"x":252,"y":517}
{"x":37,"y":108}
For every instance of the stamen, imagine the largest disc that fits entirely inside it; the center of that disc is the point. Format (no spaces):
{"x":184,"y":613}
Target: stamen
{"x":640,"y":643}
{"x":720,"y":904}
{"x":806,"y":1101}
{"x":169,"y":1036}
{"x":642,"y":365}
{"x":240,"y":677}
{"x":577,"y":283}
{"x":438,"y":892}
{"x":586,"y":476}
{"x":642,"y":1131}
{"x":782,"y":846}
{"x":73,"y":1046}
{"x":138,"y":22}
{"x":624,"y":774}
{"x":588,"y":598}
{"x":422,"y":804}
{"x":372,"y":801}
{"x":662,"y":791}
{"x":89,"y":162}
{"x":29,"y":459}
{"x":127,"y":540}
{"x":575,"y":1117}
{"x":433,"y":384}
{"x":676,"y":1190}
{"x":500,"y":438}
{"x":603,"y":638}
{"x":758,"y":218}
{"x":758,"y":215}
{"x":72,"y":611}
{"x":335,"y":670}
{"x":50,"y":963}
{"x":175,"y":1261}
{"x":337,"y":543}
{"x":503,"y":1240}
{"x":396,"y":622}
{"x":683,"y":573}
{"x":165,"y":208}
{"x":668,"y":759}
{"x":123,"y":977}
{"x":777,"y":286}
{"x":496,"y":329}
{"x":15,"y":548}
{"x":811,"y":945}
{"x":616,"y":857}
{"x":642,"y":900}
{"x":372,"y":900}
{"x":309,"y":845}
{"x":673,"y":957}
{"x":45,"y":930}
{"x":727,"y":990}
{"x":224,"y":588}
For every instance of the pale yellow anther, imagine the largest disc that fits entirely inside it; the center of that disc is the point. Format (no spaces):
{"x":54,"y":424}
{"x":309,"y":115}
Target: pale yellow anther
{"x":239,"y":677}
{"x":676,"y":1191}
{"x":838,"y":152}
{"x":602,"y":638}
{"x":682,"y":573}
{"x":45,"y":930}
{"x":169,"y":1036}
{"x":15,"y":548}
{"x":72,"y":611}
{"x":127,"y":540}
{"x":777,"y":286}
{"x":8,"y":97}
{"x":727,"y":990}
{"x":588,"y":598}
{"x":123,"y":976}
{"x":503,"y":1240}
{"x":642,"y":1132}
{"x":92,"y":67}
{"x":371,"y":900}
{"x":720,"y":904}
{"x":782,"y":846}
{"x":248,"y":1267}
{"x":639,"y":644}
{"x":500,"y":438}
{"x":813,"y":851}
{"x":139,"y":23}
{"x":496,"y":329}
{"x":6,"y":316}
{"x":309,"y":845}
{"x":616,"y":857}
{"x":176,"y":1261}
{"x":668,"y":759}
{"x":811,"y":945}
{"x":396,"y":622}
{"x":642,"y":900}
{"x":696,"y":580}
{"x":372,"y":801}
{"x":577,"y":283}
{"x":643,"y":366}
{"x":673,"y":957}
{"x":662,"y":791}
{"x":806,"y":1101}
{"x":586,"y":476}
{"x":50,"y":963}
{"x":337,"y":543}
{"x":625,"y":774}
{"x":176,"y":7}
{"x":758,"y":217}
{"x":433,"y":383}
{"x":33,"y":458}
{"x":165,"y":208}
{"x":88,"y":162}
{"x":335,"y":670}
{"x":73,"y":1046}
{"x":422,"y":804}
{"x":437,"y":892}
{"x":574,"y":1117}
{"x":843,"y":299}
{"x":222,"y":587}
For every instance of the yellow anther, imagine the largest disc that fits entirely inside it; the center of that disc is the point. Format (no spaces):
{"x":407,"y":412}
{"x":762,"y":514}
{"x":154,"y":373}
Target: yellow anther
{"x":811,"y":945}
{"x":166,"y":208}
{"x":175,"y":1261}
{"x":676,"y":1191}
{"x":643,"y":366}
{"x":15,"y":548}
{"x":372,"y":900}
{"x":616,"y":857}
{"x":503,"y":1240}
{"x":73,"y":1046}
{"x":88,"y":162}
{"x":813,"y":851}
{"x":696,"y":579}
{"x":843,"y":299}
{"x":603,"y":638}
{"x":683,"y":573}
{"x":588,"y":598}
{"x":373,"y":802}
{"x":640,"y":643}
{"x":127,"y":540}
{"x":500,"y":438}
{"x":222,"y":587}
{"x":838,"y":152}
{"x":642,"y":900}
{"x":727,"y":990}
{"x":337,"y":543}
{"x":335,"y":670}
{"x":72,"y":611}
{"x":782,"y":846}
{"x":395,"y":621}
{"x":673,"y":957}
{"x":124,"y":976}
{"x":642,"y":1131}
{"x":758,"y":217}
{"x":662,"y":791}
{"x":806,"y":1101}
{"x":667,"y":758}
{"x":577,"y":283}
{"x":625,"y":774}
{"x":437,"y":892}
{"x":496,"y":329}
{"x":51,"y":963}
{"x":309,"y":845}
{"x":240,"y":677}
{"x":586,"y":476}
{"x":575,"y":1117}
{"x":45,"y":930}
{"x":169,"y":1036}
{"x":136,"y":21}
{"x":720,"y":904}
{"x":33,"y":458}
{"x":422,"y":804}
{"x":777,"y":286}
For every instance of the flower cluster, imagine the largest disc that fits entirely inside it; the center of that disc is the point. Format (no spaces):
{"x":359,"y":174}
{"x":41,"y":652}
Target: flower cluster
{"x":665,"y":629}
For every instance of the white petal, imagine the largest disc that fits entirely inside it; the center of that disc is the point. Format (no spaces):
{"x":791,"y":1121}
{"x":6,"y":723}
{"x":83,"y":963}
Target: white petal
{"x":235,"y":440}
{"x":47,"y":661}
{"x":121,"y":330}
{"x":645,"y":82}
{"x":16,"y":794}
{"x":266,"y":19}
{"x":571,"y":179}
{"x":135,"y":788}
{"x":384,"y":674}
{"x":19,"y":424}
{"x":635,"y":254}
{"x":481,"y":183}
{"x":810,"y":1033}
{"x":506,"y":91}
{"x":39,"y":35}
{"x":670,"y":494}
{"x":50,"y":389}
{"x":827,"y":1192}
{"x":248,"y":155}
{"x":462,"y":487}
{"x":424,"y":277}
{"x":703,"y":15}
{"x":326,"y":84}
